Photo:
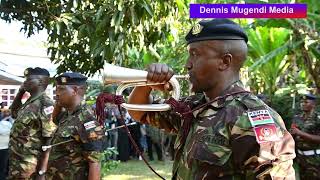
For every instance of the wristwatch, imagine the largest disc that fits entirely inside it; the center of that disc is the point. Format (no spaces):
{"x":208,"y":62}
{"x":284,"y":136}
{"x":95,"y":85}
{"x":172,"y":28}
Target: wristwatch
{"x":41,"y":172}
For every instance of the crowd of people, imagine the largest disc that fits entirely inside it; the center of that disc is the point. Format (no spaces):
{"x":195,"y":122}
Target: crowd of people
{"x":221,"y":132}
{"x":150,"y":140}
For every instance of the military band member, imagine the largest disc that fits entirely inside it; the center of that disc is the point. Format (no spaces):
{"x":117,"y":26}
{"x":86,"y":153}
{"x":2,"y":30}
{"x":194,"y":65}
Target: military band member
{"x":232,"y":134}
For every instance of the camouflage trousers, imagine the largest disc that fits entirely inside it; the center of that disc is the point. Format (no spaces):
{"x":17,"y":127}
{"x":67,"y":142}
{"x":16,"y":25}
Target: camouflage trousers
{"x":67,"y":174}
{"x":309,"y":167}
{"x":62,"y":170}
{"x":20,"y":169}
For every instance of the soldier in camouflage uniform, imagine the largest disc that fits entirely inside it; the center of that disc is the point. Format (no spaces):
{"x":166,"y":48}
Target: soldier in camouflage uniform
{"x":33,"y":125}
{"x":154,"y":139}
{"x":306,"y":130}
{"x":80,"y":157}
{"x":232,"y":134}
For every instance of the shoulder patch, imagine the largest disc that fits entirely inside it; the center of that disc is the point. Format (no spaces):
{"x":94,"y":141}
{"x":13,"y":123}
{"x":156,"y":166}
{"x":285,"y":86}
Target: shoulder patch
{"x":48,"y":110}
{"x":266,"y":133}
{"x":89,"y":125}
{"x":260,"y":117}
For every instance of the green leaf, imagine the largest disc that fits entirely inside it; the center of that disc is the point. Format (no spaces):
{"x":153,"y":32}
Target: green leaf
{"x":315,"y":52}
{"x":148,"y":58}
{"x":147,"y":7}
{"x":113,"y":19}
{"x":133,"y":16}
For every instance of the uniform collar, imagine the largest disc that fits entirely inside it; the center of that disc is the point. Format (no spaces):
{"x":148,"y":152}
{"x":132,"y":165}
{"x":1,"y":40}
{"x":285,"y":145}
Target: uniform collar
{"x":309,"y":115}
{"x":77,"y":109}
{"x":232,"y":88}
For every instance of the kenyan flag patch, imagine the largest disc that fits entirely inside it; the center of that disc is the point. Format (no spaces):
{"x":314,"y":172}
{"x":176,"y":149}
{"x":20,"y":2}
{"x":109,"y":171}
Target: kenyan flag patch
{"x":260,"y":117}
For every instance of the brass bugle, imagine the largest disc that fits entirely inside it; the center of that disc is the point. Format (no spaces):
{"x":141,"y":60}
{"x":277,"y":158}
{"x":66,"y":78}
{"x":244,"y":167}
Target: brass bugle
{"x":127,"y":77}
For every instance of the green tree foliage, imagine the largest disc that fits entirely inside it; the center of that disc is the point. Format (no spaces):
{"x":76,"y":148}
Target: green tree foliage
{"x":267,"y":45}
{"x":304,"y":42}
{"x":83,"y":35}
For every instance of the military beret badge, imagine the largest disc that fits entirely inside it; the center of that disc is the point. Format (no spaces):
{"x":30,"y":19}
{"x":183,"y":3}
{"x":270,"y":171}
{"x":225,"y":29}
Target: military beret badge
{"x":197,"y":29}
{"x":63,"y":79}
{"x":26,"y":72}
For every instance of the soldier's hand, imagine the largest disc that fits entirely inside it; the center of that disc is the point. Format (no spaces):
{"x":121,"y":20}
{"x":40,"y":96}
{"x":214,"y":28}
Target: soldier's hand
{"x":160,"y":73}
{"x":22,"y":88}
{"x":295,"y":131}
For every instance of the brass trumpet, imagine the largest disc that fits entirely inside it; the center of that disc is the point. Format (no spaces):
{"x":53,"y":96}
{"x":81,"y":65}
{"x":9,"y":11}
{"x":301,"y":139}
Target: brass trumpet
{"x":127,"y":77}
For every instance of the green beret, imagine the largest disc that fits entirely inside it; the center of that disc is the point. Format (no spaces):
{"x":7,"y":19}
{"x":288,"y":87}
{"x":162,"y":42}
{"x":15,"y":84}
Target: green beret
{"x":71,"y":78}
{"x":216,"y":29}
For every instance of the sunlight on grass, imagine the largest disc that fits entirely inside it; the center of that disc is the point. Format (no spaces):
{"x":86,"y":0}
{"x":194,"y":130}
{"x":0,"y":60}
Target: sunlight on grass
{"x":134,"y":169}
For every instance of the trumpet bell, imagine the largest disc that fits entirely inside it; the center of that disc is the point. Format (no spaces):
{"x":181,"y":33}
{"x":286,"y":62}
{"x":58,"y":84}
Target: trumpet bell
{"x":127,"y":77}
{"x":116,"y":74}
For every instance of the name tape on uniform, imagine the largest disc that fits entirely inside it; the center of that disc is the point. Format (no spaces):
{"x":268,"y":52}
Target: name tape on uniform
{"x":89,"y":125}
{"x":48,"y":110}
{"x":266,"y":133}
{"x":260,"y":117}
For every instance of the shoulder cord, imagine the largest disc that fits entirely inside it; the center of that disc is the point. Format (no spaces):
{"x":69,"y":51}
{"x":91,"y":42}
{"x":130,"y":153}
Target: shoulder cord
{"x":185,"y":112}
{"x":118,"y":100}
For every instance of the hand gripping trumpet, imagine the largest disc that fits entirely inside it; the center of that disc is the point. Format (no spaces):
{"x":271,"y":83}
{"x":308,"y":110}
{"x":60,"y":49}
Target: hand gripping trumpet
{"x":127,"y":77}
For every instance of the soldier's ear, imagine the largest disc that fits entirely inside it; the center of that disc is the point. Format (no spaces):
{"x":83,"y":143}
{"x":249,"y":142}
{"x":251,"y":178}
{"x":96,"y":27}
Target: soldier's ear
{"x":75,"y":90}
{"x":225,"y":61}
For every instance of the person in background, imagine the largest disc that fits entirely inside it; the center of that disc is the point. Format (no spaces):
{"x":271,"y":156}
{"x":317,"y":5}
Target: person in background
{"x":136,"y":135}
{"x":123,"y":146}
{"x":33,"y":126}
{"x":154,"y":139}
{"x":143,"y":139}
{"x":79,"y":154}
{"x":306,"y":130}
{"x":1,"y":107}
{"x":5,"y":127}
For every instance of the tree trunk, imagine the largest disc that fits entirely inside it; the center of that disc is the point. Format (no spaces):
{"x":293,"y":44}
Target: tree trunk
{"x":314,"y":71}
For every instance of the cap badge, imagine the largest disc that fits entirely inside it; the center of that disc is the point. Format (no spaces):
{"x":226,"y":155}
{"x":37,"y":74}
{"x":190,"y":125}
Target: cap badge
{"x":197,"y":29}
{"x":26,"y":72}
{"x":63,"y":79}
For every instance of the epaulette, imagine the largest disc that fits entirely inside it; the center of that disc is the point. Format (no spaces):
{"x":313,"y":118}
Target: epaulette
{"x":251,"y":101}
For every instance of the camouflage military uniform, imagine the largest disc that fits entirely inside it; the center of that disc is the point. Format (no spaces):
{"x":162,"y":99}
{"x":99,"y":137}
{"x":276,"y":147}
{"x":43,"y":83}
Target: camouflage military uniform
{"x":222,"y":144}
{"x":70,"y":160}
{"x":32,"y":124}
{"x":309,"y":163}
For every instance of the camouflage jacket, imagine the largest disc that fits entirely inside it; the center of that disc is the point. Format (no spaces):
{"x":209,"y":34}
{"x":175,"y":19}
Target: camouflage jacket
{"x":223,"y":143}
{"x":311,"y":125}
{"x":32,"y":124}
{"x":71,"y":160}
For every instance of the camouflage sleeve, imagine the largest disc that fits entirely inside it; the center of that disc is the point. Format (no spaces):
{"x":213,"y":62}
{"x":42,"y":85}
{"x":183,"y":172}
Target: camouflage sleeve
{"x":295,"y":122}
{"x":48,"y":126}
{"x":167,"y":120}
{"x":91,"y":136}
{"x":171,"y":121}
{"x":269,"y":148}
{"x":316,"y":130}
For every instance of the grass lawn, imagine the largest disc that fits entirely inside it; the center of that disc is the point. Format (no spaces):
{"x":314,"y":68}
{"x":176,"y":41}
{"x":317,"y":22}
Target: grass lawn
{"x":135,"y":169}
